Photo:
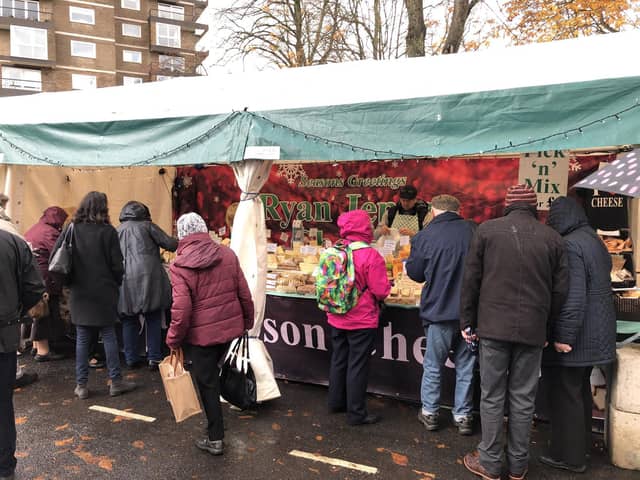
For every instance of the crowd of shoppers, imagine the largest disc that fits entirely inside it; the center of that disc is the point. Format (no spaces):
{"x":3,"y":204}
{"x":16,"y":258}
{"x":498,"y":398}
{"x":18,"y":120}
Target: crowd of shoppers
{"x":532,"y":296}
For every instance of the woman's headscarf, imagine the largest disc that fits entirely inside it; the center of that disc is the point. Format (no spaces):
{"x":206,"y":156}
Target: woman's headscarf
{"x":190,"y":223}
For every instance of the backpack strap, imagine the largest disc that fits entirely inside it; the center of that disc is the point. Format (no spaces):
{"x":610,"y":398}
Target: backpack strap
{"x":358,"y":245}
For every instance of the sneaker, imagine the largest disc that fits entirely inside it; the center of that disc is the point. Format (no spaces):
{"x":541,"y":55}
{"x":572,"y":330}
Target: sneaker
{"x":214,"y":447}
{"x":120,"y":386}
{"x":553,"y":463}
{"x":464,"y":424}
{"x":472,"y":463}
{"x":431,"y":422}
{"x":153,"y":365}
{"x":25,"y":379}
{"x":81,"y":391}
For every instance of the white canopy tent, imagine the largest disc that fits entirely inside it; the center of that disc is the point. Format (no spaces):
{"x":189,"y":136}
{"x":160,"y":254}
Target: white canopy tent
{"x":575,"y":93}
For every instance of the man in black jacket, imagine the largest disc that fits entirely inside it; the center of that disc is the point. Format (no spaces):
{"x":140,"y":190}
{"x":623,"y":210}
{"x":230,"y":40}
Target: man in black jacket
{"x":21,"y":288}
{"x":515,"y":283}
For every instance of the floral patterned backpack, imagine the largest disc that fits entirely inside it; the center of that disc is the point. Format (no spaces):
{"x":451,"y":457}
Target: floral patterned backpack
{"x":336,"y":290}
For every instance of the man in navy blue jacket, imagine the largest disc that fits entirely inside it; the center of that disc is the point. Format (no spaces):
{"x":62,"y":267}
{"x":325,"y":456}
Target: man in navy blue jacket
{"x":437,"y":258}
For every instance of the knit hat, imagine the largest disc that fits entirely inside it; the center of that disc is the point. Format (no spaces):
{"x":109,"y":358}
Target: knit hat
{"x":521,"y":193}
{"x":190,"y":223}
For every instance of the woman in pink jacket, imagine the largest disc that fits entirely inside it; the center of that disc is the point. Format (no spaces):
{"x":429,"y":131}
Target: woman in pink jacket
{"x":211,"y":306}
{"x":353,"y":334}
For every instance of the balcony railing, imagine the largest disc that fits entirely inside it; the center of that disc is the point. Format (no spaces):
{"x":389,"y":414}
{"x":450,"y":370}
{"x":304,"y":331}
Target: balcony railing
{"x":187,"y":20}
{"x":173,"y":68}
{"x":28,"y":14}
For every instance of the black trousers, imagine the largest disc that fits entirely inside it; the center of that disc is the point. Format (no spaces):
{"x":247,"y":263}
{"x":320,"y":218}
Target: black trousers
{"x":7,"y":418}
{"x":349,"y":372}
{"x":206,"y":371}
{"x":570,"y":403}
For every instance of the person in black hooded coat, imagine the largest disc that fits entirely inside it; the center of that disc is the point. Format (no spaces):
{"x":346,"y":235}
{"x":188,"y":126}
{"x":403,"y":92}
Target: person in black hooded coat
{"x":145,"y":288}
{"x":583,"y":335}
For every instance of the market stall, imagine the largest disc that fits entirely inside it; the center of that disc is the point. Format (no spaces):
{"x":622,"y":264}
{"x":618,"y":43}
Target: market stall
{"x":541,"y":111}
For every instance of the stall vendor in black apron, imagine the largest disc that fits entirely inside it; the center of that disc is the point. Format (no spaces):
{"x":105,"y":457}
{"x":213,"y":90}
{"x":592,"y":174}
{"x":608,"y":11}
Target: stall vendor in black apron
{"x":408,"y":216}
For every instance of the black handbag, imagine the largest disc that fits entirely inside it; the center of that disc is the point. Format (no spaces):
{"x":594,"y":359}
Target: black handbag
{"x":61,"y":261}
{"x":237,"y":381}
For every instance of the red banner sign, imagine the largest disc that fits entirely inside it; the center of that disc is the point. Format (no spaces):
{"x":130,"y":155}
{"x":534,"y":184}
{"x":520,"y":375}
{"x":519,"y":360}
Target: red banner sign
{"x":316,"y":193}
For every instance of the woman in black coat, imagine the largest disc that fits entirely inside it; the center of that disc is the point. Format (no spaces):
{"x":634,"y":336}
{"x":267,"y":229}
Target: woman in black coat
{"x":145,"y":289}
{"x":584,"y":335}
{"x":97,"y":268}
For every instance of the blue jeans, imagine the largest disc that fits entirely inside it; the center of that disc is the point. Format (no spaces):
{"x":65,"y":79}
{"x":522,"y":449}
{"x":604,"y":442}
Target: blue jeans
{"x":84,"y":337}
{"x":440,"y":339}
{"x":131,"y":336}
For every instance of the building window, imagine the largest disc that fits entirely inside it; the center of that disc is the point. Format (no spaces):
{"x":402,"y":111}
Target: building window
{"x":82,"y":15}
{"x":83,"y":82}
{"x":83,"y":49}
{"x":131,"y":30}
{"x":169,"y":62}
{"x":168,"y":35}
{"x":21,"y":79}
{"x":131,"y":80}
{"x":130,"y":4}
{"x":29,"y":10}
{"x":29,"y":42}
{"x":174,"y":12}
{"x":131,"y":56}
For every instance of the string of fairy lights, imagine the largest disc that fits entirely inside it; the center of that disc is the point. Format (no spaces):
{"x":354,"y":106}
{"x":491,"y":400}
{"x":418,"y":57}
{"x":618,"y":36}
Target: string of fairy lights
{"x":373,"y":153}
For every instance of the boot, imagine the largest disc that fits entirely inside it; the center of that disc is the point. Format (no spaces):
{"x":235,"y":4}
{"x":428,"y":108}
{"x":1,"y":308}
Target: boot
{"x":81,"y":391}
{"x":214,"y":447}
{"x":120,"y":386}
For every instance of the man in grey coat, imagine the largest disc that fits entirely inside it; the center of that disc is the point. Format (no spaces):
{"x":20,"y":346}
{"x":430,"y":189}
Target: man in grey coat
{"x":514,"y":284}
{"x":21,"y":288}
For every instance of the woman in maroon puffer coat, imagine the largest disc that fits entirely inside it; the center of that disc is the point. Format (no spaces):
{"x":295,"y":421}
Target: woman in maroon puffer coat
{"x":211,"y":306}
{"x":42,"y":237}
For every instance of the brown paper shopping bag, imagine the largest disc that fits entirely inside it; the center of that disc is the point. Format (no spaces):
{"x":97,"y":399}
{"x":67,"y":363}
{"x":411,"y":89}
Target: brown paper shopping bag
{"x":178,"y":386}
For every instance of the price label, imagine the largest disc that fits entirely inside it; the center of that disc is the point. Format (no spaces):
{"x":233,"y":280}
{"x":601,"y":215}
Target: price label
{"x":222,"y":231}
{"x":404,"y":240}
{"x":308,"y":250}
{"x":390,"y":244}
{"x":284,"y":237}
{"x":272,"y":247}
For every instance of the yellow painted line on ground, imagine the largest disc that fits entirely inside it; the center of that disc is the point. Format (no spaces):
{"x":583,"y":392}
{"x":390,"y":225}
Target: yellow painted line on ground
{"x":334,"y":461}
{"x":122,"y":413}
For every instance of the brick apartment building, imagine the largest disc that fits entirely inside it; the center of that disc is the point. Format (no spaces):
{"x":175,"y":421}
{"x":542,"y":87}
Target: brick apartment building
{"x":53,"y":45}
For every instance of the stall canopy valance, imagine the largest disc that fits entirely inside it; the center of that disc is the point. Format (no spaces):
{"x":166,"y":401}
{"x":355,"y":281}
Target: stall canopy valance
{"x":578,"y":93}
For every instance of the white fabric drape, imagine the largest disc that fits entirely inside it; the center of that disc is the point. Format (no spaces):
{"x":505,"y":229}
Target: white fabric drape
{"x":249,"y":242}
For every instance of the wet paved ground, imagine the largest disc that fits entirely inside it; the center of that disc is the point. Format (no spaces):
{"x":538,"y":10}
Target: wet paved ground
{"x":60,"y":438}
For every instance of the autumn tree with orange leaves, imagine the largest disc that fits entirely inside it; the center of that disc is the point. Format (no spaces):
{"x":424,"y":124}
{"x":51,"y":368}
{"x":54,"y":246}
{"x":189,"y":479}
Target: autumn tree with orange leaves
{"x":530,"y":21}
